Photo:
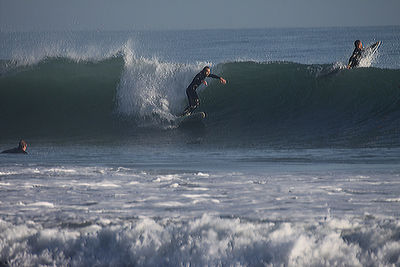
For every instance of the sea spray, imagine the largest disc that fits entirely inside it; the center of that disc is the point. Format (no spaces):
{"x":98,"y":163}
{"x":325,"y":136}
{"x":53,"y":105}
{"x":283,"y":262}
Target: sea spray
{"x":152,"y":92}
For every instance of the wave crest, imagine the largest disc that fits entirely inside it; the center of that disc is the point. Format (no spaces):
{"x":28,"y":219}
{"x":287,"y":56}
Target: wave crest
{"x":275,"y":102}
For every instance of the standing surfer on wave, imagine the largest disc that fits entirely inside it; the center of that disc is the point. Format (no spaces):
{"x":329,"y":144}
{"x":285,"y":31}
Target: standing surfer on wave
{"x":194,"y":101}
{"x":355,"y":58}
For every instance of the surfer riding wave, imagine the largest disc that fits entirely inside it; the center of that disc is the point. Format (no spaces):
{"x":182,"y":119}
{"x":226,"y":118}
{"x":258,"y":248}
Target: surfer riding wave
{"x":193,"y":98}
{"x":355,"y":58}
{"x":361,"y":53}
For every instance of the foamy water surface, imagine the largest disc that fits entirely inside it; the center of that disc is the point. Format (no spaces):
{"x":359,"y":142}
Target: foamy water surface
{"x":204,"y":208}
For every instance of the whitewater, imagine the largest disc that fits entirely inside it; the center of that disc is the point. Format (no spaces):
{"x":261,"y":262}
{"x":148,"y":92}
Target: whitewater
{"x":296,"y":163}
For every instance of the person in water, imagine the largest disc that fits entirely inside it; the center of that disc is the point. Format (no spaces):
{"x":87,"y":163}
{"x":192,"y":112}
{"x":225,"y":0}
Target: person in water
{"x":194,"y":101}
{"x":20,"y":149}
{"x":355,"y":58}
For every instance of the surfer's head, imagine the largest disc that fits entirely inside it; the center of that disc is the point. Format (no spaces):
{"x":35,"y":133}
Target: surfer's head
{"x":206,"y":70}
{"x":22,"y":145}
{"x":358,"y":44}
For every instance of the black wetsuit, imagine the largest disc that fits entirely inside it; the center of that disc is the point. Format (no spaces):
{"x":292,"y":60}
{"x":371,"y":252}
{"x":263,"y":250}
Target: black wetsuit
{"x":355,"y":58}
{"x":15,"y":151}
{"x":191,"y":91}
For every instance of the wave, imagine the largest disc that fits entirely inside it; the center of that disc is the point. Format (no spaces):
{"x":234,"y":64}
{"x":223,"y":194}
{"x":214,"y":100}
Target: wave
{"x":58,"y":95}
{"x":313,"y":103}
{"x":203,"y":241}
{"x":274,"y":102}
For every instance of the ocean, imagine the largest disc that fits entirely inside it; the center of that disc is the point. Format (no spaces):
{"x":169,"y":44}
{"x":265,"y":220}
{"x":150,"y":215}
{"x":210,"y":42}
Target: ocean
{"x":295,"y":164}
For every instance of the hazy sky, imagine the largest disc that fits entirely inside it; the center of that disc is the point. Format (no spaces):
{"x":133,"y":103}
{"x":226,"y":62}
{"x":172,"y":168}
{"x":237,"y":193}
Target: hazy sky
{"x":44,"y":15}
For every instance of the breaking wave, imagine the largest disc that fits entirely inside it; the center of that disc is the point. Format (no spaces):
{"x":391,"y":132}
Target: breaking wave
{"x":205,"y":241}
{"x":263,"y":102}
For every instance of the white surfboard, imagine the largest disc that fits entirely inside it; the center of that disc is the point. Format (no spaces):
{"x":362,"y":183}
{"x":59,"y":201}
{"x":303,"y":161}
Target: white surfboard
{"x":196,"y":116}
{"x":371,"y":50}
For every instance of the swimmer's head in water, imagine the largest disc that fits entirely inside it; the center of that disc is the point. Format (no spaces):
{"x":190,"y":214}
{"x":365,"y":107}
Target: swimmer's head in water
{"x":22,"y":145}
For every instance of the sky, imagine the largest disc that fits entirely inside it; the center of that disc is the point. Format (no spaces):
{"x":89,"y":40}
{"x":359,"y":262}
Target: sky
{"x":56,"y":15}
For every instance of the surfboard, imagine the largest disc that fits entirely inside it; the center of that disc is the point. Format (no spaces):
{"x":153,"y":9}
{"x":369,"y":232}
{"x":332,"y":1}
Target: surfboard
{"x":194,"y":117}
{"x":370,"y":50}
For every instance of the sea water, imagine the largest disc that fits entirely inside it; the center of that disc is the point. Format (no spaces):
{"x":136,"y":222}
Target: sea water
{"x":296,"y":163}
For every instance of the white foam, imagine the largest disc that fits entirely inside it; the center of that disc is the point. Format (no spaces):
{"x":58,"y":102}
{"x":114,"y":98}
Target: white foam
{"x":367,"y":61}
{"x":63,"y":48}
{"x":205,"y":241}
{"x":203,"y":174}
{"x":341,"y":224}
{"x":392,"y":200}
{"x":166,"y":178}
{"x":42,"y":204}
{"x":197,"y":189}
{"x":174,"y":185}
{"x":196,"y":195}
{"x":84,"y":184}
{"x":170,"y":204}
{"x":8,"y":173}
{"x":107,"y":184}
{"x":153,"y":91}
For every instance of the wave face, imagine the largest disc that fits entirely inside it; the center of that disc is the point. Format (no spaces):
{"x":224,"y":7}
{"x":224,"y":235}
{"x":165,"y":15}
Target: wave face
{"x":317,"y":104}
{"x":278,"y":103}
{"x":58,"y":95}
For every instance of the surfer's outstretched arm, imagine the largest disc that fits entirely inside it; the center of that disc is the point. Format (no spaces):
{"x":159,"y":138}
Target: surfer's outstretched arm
{"x":222,"y":80}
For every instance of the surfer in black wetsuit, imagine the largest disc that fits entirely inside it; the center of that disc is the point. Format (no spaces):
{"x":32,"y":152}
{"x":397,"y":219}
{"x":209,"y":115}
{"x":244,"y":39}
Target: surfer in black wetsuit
{"x":194,"y":101}
{"x":355,"y":58}
{"x":20,"y":149}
